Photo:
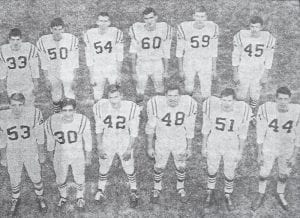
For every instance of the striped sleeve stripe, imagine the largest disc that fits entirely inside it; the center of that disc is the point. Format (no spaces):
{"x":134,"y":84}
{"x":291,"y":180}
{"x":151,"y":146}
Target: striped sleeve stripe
{"x":120,"y":40}
{"x":34,"y":54}
{"x":208,"y":108}
{"x":30,"y":51}
{"x":155,"y":107}
{"x":152,"y":105}
{"x":190,"y":111}
{"x":72,"y":43}
{"x":266,"y":112}
{"x":34,"y":117}
{"x":132,"y":31}
{"x":50,"y":125}
{"x":117,"y":36}
{"x":269,"y":40}
{"x":168,"y":36}
{"x":87,"y":37}
{"x":132,"y":112}
{"x":75,"y":42}
{"x":239,"y":35}
{"x":216,"y":31}
{"x":180,"y":29}
{"x":84,"y":125}
{"x":81,"y":123}
{"x":43,"y":45}
{"x":194,"y":107}
{"x":2,"y":57}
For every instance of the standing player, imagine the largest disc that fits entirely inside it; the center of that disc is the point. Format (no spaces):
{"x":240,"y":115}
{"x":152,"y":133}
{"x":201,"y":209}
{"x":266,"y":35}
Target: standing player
{"x":69,"y":142}
{"x":24,"y":140}
{"x":225,"y":127}
{"x":252,"y":59}
{"x":197,"y":51}
{"x":150,"y":47}
{"x":20,"y":71}
{"x":172,"y":119}
{"x":277,"y":138}
{"x":59,"y":60}
{"x":104,"y":54}
{"x":117,"y":125}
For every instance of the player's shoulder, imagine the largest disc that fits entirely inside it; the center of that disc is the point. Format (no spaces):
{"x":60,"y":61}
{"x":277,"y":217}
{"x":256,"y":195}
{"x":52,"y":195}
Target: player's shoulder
{"x":5,"y":47}
{"x":128,"y":105}
{"x":210,"y":23}
{"x":295,"y":107}
{"x":93,"y":30}
{"x":45,"y":37}
{"x":114,"y":29}
{"x":243,"y":33}
{"x":137,"y":25}
{"x":185,"y":25}
{"x":69,"y":35}
{"x":102,"y":102}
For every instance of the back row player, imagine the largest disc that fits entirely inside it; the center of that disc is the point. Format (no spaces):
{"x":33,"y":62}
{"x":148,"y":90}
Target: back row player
{"x":197,"y":43}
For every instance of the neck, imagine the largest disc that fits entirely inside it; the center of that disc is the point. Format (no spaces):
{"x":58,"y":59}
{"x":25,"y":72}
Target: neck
{"x":199,"y":24}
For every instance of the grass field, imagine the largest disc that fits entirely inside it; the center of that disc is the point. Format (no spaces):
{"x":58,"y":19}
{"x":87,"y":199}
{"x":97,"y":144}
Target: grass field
{"x":281,"y":19}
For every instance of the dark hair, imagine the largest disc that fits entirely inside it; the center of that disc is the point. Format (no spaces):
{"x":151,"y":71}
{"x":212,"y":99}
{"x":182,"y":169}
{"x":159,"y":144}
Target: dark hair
{"x":200,"y":9}
{"x":68,"y":101}
{"x":113,"y":88}
{"x":149,"y":10}
{"x":283,"y":90}
{"x":17,"y":97}
{"x":228,"y":92}
{"x":103,"y":14}
{"x":57,"y":22}
{"x":14,"y":32}
{"x":172,"y":85}
{"x":256,"y":19}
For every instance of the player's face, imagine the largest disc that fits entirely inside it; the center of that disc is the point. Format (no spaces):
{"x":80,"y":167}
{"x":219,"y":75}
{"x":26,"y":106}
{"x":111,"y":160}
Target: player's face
{"x":200,"y":17}
{"x":57,"y":32}
{"x":150,"y":19}
{"x":15,"y":42}
{"x":103,"y":22}
{"x":282,"y":101}
{"x":255,"y":28}
{"x":227,"y":103}
{"x":68,"y":112}
{"x":173,"y":97}
{"x":115,"y":99}
{"x":17,"y":108}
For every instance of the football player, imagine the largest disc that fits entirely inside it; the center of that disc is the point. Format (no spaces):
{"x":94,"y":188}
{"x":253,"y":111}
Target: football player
{"x":277,"y":138}
{"x":23,"y":133}
{"x":117,"y":125}
{"x":172,"y":119}
{"x":252,"y":59}
{"x":150,"y":48}
{"x":104,"y":54}
{"x":197,"y":51}
{"x":59,"y":60}
{"x":69,"y":142}
{"x":225,"y":127}
{"x":19,"y":67}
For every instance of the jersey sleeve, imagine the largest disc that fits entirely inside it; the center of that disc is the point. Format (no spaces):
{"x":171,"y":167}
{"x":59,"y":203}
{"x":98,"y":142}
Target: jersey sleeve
{"x":134,"y":120}
{"x":42,"y":54}
{"x":88,"y":50}
{"x":133,"y":41}
{"x":119,"y":46}
{"x":34,"y":62}
{"x":85,"y":131}
{"x":74,"y":52}
{"x":262,"y":123}
{"x":189,"y":124}
{"x":152,"y":116}
{"x":3,"y":70}
{"x":214,"y":41}
{"x":237,"y":49}
{"x":39,"y":127}
{"x":98,"y":118}
{"x":49,"y":134}
{"x":269,"y":52}
{"x":207,"y":125}
{"x":166,"y":44}
{"x":3,"y":138}
{"x":180,"y":45}
{"x":243,"y":129}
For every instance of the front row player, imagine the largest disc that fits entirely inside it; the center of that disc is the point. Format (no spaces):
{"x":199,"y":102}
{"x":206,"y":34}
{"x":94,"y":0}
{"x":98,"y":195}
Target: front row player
{"x":172,"y":119}
{"x":23,"y":137}
{"x":69,"y":142}
{"x":277,"y":138}
{"x":225,"y":127}
{"x":117,"y":126}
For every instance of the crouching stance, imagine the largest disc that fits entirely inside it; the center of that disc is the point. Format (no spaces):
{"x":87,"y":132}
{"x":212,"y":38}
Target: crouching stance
{"x":23,"y":133}
{"x":69,"y":142}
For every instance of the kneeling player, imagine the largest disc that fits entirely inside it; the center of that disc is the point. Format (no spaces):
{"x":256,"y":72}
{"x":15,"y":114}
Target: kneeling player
{"x":225,"y":127}
{"x":69,"y":142}
{"x":117,"y":123}
{"x":277,"y":130}
{"x":24,"y":141}
{"x":172,"y":119}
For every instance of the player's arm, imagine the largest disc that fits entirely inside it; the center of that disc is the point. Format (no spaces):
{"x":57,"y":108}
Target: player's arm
{"x":133,"y":50}
{"x":33,"y":60}
{"x":180,"y":48}
{"x":120,"y":52}
{"x":43,"y":56}
{"x":3,"y":75}
{"x":261,"y":129}
{"x":89,"y":56}
{"x":206,"y":126}
{"x":189,"y":125}
{"x":87,"y":138}
{"x":40,"y":134}
{"x":3,"y":144}
{"x":151,"y":127}
{"x":74,"y":50}
{"x":269,"y":54}
{"x":166,"y":46}
{"x":214,"y":48}
{"x":243,"y":129}
{"x":99,"y":130}
{"x":50,"y":137}
{"x":236,"y":55}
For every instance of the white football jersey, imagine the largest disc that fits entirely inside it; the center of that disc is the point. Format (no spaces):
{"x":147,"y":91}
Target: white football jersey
{"x":223,"y":125}
{"x":68,"y":139}
{"x":171,"y":122}
{"x":59,"y":56}
{"x":150,"y":45}
{"x":195,"y":43}
{"x":254,"y":52}
{"x":117,"y":123}
{"x":22,"y":134}
{"x":103,"y":49}
{"x":278,"y":127}
{"x":21,"y":66}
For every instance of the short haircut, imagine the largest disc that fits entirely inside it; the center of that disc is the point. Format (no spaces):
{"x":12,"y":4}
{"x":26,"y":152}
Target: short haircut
{"x":172,"y":85}
{"x":57,"y":22}
{"x":68,"y":101}
{"x":103,"y":14}
{"x":14,"y":33}
{"x":149,"y":10}
{"x":17,"y":97}
{"x":113,"y":88}
{"x":283,"y":90}
{"x":228,"y":92}
{"x":256,"y":19}
{"x":200,"y":9}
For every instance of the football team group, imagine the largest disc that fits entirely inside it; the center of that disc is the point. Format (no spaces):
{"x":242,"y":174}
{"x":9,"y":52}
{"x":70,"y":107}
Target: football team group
{"x":66,"y":136}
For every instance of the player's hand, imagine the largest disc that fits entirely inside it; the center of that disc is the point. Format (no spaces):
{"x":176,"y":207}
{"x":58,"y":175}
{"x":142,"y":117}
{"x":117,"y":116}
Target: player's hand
{"x":151,"y":153}
{"x":102,"y":154}
{"x":127,"y":155}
